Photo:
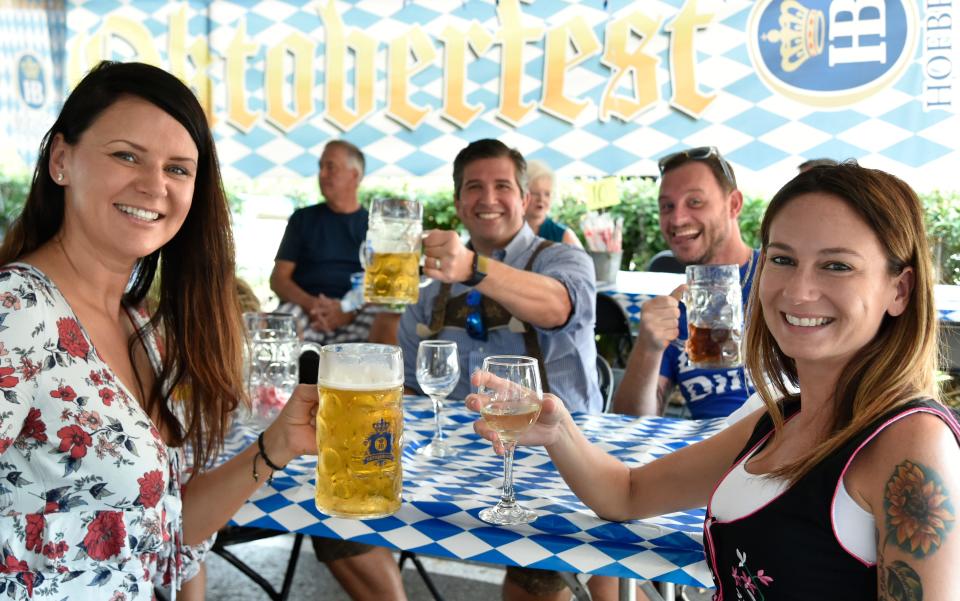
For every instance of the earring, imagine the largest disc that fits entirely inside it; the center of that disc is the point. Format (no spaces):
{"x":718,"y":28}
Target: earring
{"x":60,"y":177}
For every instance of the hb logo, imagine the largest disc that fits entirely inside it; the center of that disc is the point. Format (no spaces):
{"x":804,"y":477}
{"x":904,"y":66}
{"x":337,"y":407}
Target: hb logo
{"x":831,"y":53}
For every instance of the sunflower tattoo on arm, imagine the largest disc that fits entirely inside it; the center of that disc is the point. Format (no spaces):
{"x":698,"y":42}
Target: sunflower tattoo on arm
{"x":919,"y":516}
{"x":918,"y":509}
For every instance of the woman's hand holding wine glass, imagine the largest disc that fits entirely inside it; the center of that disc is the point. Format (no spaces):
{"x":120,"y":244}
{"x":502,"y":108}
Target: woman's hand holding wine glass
{"x":510,"y":401}
{"x":544,"y":431}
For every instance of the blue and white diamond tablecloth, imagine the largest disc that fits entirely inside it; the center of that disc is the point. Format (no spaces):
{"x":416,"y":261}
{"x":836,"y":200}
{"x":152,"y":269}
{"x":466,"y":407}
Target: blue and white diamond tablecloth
{"x":633,"y":288}
{"x":441,"y":500}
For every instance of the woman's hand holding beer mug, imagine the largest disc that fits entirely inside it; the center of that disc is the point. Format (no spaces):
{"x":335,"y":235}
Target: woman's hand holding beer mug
{"x":294,"y":431}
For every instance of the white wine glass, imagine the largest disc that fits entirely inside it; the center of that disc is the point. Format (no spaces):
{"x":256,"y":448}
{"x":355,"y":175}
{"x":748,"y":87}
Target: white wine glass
{"x":438,"y":371}
{"x":511,"y":406}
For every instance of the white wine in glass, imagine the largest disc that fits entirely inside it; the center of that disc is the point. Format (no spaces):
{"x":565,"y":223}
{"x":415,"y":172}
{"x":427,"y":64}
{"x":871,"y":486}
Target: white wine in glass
{"x":512,"y":405}
{"x":438,"y":371}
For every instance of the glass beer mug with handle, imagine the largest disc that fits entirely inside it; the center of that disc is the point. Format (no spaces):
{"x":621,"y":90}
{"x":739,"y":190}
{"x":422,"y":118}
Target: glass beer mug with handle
{"x":714,"y":315}
{"x":391,"y":253}
{"x":273,"y":365}
{"x":359,"y":430}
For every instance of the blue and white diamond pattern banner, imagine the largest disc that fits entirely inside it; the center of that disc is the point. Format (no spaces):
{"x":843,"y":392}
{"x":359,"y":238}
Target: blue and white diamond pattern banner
{"x":593,"y":88}
{"x":32,"y":36}
{"x":441,"y":500}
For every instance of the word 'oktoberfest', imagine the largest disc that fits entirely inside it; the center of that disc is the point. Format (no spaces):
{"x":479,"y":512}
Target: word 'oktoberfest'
{"x":631,"y":88}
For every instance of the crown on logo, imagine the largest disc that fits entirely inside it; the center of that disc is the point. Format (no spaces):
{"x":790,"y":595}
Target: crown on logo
{"x":30,"y":67}
{"x":800,"y":35}
{"x":381,"y":426}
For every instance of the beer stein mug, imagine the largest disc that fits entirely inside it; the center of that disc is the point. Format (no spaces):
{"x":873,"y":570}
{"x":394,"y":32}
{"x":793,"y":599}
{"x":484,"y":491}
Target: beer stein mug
{"x":273,"y":363}
{"x":359,"y":430}
{"x":714,"y":315}
{"x":391,"y":253}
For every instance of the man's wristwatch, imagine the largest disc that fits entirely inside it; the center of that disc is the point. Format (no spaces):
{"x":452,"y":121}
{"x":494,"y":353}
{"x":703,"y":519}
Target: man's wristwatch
{"x":479,"y":269}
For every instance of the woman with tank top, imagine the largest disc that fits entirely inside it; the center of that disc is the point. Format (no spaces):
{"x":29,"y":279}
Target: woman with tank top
{"x":848,"y":489}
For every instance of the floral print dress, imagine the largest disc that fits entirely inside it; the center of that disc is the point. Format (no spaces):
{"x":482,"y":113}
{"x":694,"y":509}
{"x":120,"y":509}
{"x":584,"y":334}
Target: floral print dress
{"x":90,"y":502}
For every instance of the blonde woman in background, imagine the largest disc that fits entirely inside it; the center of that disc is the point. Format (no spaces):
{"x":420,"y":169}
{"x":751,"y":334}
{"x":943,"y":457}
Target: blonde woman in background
{"x":542,"y":182}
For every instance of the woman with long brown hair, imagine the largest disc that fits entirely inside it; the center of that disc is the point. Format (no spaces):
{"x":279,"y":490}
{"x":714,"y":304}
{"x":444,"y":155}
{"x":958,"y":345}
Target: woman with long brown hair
{"x":96,"y":503}
{"x":848,"y":489}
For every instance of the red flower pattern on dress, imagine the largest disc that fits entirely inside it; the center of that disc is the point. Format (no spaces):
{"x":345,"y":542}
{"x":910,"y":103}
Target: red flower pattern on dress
{"x":33,"y":426}
{"x":55,"y":550}
{"x":29,"y":369}
{"x":105,"y":535}
{"x":64,"y":393}
{"x":10,"y":301}
{"x":90,"y":419}
{"x":17,"y":566}
{"x":71,"y":338}
{"x":75,"y":440}
{"x":7,"y":379}
{"x":151,"y":488}
{"x":106,"y":395}
{"x":35,"y":524}
{"x":13,"y":565}
{"x":98,"y":471}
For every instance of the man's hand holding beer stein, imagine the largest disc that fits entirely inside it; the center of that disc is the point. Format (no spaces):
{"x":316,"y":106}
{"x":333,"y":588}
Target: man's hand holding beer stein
{"x":660,"y":320}
{"x":446,"y":258}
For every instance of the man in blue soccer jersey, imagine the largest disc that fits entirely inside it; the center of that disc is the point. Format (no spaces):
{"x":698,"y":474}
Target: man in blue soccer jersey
{"x":699,"y":206}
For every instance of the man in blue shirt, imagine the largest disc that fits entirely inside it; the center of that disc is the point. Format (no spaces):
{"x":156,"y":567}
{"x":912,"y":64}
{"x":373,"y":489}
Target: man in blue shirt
{"x":502,"y":293}
{"x":699,"y":206}
{"x":320,"y":249}
{"x":505,"y":292}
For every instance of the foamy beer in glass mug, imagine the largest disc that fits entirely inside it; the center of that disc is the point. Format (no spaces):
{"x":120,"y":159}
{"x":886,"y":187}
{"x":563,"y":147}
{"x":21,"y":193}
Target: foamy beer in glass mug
{"x":391,"y":252}
{"x":714,"y":315}
{"x":359,"y":430}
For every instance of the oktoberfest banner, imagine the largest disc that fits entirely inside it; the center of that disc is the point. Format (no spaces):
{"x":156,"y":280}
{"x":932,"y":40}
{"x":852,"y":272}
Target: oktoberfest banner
{"x":592,"y":88}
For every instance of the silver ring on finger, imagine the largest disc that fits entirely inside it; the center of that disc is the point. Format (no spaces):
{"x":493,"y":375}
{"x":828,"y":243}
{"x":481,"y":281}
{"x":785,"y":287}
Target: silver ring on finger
{"x":437,"y":263}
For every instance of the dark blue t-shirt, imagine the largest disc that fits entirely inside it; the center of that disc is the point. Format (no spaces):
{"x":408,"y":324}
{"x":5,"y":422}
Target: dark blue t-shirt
{"x":325,"y":247}
{"x":709,"y":392}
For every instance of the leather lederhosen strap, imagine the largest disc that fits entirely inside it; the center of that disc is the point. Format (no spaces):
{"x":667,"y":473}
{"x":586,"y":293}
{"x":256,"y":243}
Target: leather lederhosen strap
{"x":453,"y":312}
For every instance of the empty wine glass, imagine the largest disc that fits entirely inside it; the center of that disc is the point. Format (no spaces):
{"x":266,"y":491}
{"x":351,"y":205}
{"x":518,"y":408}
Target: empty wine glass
{"x":512,"y":405}
{"x":438,"y":371}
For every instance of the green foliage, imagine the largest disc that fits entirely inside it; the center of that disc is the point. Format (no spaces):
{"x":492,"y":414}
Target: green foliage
{"x":438,"y":209}
{"x":13,"y":194}
{"x":641,"y":221}
{"x":942,"y":211}
{"x":638,"y":207}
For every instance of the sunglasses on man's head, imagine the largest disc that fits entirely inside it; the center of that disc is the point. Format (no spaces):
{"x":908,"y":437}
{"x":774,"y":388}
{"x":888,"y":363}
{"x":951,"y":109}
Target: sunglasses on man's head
{"x":700,"y":153}
{"x":476,"y":329}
